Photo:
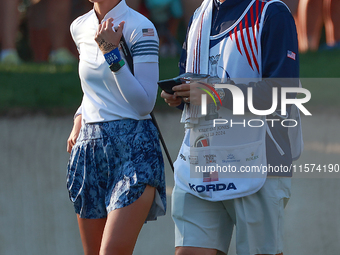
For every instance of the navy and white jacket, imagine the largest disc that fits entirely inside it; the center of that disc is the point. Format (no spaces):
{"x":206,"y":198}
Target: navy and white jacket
{"x":278,"y":59}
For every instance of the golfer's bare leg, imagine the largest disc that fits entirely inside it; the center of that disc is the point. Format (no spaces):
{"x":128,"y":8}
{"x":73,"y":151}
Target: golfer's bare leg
{"x":91,"y":232}
{"x":123,"y":225}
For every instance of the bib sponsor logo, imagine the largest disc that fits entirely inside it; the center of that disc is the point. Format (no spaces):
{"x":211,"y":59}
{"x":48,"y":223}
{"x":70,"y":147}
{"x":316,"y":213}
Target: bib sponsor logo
{"x":182,"y":157}
{"x":201,"y":141}
{"x":193,"y":160}
{"x":212,"y":187}
{"x":230,"y":159}
{"x":253,"y":157}
{"x":210,"y":158}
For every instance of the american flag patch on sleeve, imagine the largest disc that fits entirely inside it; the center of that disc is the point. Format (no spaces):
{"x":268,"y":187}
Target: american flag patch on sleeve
{"x":291,"y":54}
{"x":148,"y":32}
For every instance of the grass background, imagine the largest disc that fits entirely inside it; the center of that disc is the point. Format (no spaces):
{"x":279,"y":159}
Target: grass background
{"x":51,"y":89}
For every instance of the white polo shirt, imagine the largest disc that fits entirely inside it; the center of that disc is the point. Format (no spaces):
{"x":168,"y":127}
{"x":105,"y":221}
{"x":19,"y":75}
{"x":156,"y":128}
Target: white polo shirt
{"x":112,"y":96}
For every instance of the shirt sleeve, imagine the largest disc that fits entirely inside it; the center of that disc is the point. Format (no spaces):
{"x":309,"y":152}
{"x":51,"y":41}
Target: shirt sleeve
{"x":139,"y":90}
{"x":144,"y":43}
{"x":280,"y":59}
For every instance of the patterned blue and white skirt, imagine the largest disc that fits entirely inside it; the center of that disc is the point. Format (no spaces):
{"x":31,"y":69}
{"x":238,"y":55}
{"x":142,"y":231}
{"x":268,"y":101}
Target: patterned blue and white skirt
{"x":111,"y":164}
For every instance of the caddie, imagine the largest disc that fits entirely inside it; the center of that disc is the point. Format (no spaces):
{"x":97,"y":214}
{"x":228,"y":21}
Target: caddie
{"x":248,"y":44}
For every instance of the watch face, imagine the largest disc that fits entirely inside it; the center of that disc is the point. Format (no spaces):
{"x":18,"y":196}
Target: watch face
{"x":116,"y":66}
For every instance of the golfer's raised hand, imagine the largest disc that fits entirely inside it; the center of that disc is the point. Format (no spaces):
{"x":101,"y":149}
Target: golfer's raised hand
{"x":106,"y":37}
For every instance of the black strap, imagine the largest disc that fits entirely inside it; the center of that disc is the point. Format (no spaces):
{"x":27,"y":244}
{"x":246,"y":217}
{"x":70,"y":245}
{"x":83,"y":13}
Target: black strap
{"x":129,"y":60}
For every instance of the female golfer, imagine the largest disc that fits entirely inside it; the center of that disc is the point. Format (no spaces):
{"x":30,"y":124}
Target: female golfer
{"x":115,"y":172}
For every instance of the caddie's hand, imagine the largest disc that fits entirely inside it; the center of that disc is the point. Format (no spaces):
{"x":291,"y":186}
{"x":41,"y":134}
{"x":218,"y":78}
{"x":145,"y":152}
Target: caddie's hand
{"x":74,"y":133}
{"x":182,"y":91}
{"x":106,"y":37}
{"x":190,"y":92}
{"x":170,"y":99}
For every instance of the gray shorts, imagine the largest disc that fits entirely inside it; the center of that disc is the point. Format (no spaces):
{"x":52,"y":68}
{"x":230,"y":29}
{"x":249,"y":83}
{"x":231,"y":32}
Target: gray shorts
{"x":258,"y":220}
